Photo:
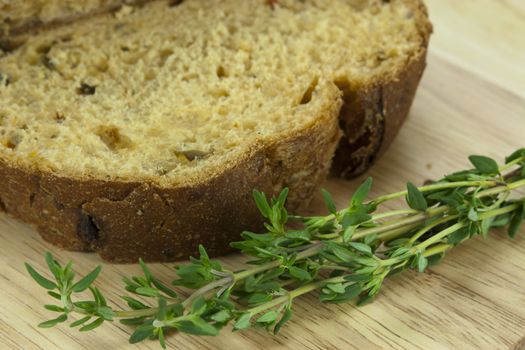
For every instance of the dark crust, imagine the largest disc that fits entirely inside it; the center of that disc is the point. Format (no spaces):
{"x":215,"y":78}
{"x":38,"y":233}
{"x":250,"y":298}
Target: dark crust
{"x":373,"y":114}
{"x":123,"y":221}
{"x":376,"y":117}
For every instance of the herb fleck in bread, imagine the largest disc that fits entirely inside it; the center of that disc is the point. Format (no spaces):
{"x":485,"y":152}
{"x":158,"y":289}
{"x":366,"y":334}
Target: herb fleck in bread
{"x":141,"y":133}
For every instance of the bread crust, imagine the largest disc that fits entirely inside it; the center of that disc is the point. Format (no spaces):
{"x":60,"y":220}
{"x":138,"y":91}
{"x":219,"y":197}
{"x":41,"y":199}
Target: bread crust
{"x":125,"y":220}
{"x":376,"y":111}
{"x":380,"y":111}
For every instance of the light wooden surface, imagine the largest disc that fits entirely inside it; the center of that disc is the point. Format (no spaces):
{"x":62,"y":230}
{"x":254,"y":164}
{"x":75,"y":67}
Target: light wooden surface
{"x":472,"y":100}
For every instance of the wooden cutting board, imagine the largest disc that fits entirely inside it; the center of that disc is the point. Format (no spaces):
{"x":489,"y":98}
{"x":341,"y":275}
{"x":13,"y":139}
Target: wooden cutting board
{"x":472,"y":100}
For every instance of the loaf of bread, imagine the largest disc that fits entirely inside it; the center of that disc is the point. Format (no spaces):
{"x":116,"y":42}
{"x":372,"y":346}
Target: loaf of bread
{"x":142,"y":132}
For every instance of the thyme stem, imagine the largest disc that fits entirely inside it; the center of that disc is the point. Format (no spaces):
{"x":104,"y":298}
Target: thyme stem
{"x":437,"y":187}
{"x":358,"y":247}
{"x":388,"y":232}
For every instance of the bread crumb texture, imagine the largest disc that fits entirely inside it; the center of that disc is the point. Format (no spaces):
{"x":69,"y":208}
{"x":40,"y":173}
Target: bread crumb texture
{"x":172,"y":91}
{"x":17,"y":15}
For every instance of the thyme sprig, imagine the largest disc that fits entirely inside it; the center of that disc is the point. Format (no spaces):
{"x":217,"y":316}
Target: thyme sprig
{"x":345,"y":256}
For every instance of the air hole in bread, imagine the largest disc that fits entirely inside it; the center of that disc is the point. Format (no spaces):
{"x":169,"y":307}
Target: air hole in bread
{"x":66,"y":38}
{"x":44,"y":48}
{"x":47,"y":62}
{"x":359,"y":5}
{"x":86,"y":89}
{"x":9,"y":45}
{"x":59,"y":118}
{"x":307,"y":96}
{"x":113,"y":138}
{"x":190,"y":155}
{"x":223,"y":110}
{"x":221,"y":73}
{"x":132,"y":56}
{"x":219,"y":92}
{"x":189,"y":77}
{"x":4,"y":79}
{"x":247,"y":65}
{"x":149,"y":74}
{"x":271,"y":3}
{"x":164,"y":55}
{"x":2,"y":205}
{"x":173,"y":3}
{"x":13,"y":140}
{"x":232,"y":29}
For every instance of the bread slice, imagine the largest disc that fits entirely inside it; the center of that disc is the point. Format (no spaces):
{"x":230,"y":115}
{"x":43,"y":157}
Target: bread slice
{"x":143,"y":132}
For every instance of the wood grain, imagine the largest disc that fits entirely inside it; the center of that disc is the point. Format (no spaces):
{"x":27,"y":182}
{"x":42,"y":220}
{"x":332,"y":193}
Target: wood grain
{"x":472,"y":100}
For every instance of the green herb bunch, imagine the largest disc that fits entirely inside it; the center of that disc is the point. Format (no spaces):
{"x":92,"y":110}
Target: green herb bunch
{"x":345,"y":256}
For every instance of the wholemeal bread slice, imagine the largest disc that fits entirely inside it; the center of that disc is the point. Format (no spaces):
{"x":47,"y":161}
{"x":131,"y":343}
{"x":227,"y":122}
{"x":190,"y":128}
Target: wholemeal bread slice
{"x":141,"y":133}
